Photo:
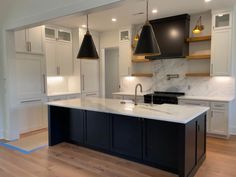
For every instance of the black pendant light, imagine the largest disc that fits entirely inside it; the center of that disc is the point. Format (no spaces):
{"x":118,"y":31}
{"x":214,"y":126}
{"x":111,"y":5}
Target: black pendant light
{"x":147,"y":43}
{"x":88,"y":49}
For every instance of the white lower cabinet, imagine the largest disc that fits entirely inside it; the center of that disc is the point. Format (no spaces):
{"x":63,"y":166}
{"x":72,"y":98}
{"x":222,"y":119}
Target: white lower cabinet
{"x":217,"y":116}
{"x":199,"y":103}
{"x":31,"y":115}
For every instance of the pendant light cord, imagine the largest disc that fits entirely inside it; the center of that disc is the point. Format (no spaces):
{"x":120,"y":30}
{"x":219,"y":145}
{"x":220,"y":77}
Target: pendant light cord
{"x":147,"y":10}
{"x":87,"y":24}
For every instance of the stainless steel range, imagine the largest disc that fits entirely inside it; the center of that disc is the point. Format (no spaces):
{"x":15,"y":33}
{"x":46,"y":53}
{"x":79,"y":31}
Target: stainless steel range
{"x":163,"y":97}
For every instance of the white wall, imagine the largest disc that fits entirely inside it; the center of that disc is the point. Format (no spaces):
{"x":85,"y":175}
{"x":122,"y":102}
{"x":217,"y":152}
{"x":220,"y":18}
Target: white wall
{"x":17,"y":13}
{"x":109,"y":39}
{"x":1,"y":84}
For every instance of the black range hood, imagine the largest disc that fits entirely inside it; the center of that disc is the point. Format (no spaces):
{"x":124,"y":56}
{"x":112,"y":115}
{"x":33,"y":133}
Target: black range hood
{"x":171,"y":34}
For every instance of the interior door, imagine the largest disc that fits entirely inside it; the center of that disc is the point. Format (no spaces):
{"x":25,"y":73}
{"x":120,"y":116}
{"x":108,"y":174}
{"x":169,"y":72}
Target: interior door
{"x":111,"y":71}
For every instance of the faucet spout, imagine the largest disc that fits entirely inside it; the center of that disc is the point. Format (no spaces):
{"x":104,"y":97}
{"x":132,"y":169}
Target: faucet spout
{"x":136,"y":93}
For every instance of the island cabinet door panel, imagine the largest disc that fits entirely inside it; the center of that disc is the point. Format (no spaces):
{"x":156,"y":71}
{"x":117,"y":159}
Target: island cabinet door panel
{"x":201,"y":137}
{"x":161,"y":144}
{"x":190,"y":144}
{"x":76,"y":124}
{"x":57,"y":124}
{"x":97,"y":130}
{"x":127,"y":136}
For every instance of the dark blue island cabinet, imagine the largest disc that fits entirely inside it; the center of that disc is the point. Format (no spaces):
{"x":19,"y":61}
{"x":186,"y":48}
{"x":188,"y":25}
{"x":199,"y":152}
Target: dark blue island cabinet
{"x":174,"y":147}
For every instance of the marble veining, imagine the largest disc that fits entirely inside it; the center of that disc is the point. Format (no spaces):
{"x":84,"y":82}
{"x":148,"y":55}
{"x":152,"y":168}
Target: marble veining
{"x":192,"y":86}
{"x":166,"y":112}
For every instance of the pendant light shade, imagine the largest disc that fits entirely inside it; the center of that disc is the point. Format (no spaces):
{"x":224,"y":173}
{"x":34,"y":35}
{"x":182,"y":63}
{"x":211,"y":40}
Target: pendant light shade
{"x":147,"y":43}
{"x":88,"y":49}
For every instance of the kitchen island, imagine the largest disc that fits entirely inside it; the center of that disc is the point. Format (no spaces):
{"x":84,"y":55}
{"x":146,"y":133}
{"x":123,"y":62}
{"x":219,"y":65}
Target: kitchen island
{"x":169,"y":137}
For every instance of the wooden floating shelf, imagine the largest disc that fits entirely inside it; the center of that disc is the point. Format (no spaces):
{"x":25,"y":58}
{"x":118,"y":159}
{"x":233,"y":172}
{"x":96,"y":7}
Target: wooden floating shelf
{"x":199,"y":39}
{"x":198,"y":57}
{"x":197,"y":75}
{"x":142,"y":75}
{"x":141,"y":60}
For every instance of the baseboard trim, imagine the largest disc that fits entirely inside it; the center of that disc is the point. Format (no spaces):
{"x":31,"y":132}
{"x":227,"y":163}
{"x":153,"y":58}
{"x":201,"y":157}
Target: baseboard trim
{"x":232,"y":130}
{"x":1,"y":134}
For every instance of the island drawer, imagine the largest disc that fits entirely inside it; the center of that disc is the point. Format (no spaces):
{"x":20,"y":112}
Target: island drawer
{"x":219,"y":105}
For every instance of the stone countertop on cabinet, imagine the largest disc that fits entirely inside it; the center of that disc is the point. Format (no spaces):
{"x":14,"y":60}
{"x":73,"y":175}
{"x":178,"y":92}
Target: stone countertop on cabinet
{"x":130,"y":93}
{"x":62,"y":94}
{"x":170,"y":113}
{"x":207,"y":98}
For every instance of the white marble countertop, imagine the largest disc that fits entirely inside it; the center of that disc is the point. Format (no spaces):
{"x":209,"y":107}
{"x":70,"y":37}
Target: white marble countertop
{"x":166,"y":112}
{"x":206,"y":98}
{"x":130,"y":93}
{"x":61,"y":93}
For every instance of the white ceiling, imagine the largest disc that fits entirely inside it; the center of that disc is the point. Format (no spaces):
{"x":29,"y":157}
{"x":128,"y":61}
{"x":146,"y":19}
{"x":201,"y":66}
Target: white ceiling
{"x":101,"y":20}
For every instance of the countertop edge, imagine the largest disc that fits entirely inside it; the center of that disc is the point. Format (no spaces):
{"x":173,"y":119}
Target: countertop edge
{"x":206,"y":98}
{"x":132,"y":115}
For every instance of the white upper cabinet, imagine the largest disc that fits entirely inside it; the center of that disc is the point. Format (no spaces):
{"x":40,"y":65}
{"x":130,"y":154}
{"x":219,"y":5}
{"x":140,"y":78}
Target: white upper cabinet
{"x":51,"y":60}
{"x":222,"y":20}
{"x":59,"y":56}
{"x":221,"y":46}
{"x":50,"y":33}
{"x":89,"y":68}
{"x":125,"y":53}
{"x":221,"y":53}
{"x":58,"y":34}
{"x":29,"y":40}
{"x":64,"y":58}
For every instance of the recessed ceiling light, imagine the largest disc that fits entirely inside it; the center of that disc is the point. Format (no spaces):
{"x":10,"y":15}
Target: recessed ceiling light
{"x":220,"y":15}
{"x":208,"y":0}
{"x":84,"y":26}
{"x":114,"y":19}
{"x":154,"y":11}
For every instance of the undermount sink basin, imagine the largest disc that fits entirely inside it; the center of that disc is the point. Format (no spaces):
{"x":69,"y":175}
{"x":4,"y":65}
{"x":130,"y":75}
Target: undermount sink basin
{"x":152,"y":108}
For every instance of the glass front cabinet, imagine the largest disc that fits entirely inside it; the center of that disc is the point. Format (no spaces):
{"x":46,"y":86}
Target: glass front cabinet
{"x":222,"y":20}
{"x":58,"y":34}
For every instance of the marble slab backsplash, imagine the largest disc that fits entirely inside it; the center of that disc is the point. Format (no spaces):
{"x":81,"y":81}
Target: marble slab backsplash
{"x":192,"y":86}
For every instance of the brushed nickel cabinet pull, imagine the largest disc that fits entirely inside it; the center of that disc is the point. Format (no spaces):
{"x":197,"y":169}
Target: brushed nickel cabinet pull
{"x":83,"y":87}
{"x":30,"y":101}
{"x":44,"y":83}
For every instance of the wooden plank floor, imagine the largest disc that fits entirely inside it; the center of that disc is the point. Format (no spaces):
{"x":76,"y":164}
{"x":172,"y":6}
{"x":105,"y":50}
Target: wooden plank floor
{"x":67,"y":160}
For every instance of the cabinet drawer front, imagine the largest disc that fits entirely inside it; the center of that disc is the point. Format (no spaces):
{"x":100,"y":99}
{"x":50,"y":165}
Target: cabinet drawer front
{"x":218,"y":105}
{"x":194,"y":103}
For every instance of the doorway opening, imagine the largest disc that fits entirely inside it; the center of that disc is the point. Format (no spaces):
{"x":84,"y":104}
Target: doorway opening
{"x":111,"y":71}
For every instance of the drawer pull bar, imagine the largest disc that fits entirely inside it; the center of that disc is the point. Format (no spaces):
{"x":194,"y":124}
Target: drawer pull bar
{"x":30,"y":101}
